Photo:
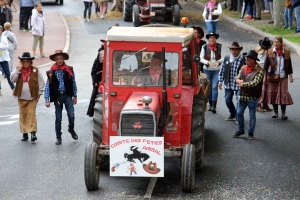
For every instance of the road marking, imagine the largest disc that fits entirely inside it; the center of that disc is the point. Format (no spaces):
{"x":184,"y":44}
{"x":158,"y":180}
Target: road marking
{"x":7,"y":122}
{"x":150,"y":188}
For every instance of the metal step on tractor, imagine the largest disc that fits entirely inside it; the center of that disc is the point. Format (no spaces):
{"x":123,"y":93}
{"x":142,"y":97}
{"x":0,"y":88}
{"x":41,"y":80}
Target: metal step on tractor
{"x":151,"y":106}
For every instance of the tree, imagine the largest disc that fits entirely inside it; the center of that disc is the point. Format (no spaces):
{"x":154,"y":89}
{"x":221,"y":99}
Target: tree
{"x":278,"y":9}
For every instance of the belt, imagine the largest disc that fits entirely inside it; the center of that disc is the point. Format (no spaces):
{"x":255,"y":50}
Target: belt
{"x":62,"y":92}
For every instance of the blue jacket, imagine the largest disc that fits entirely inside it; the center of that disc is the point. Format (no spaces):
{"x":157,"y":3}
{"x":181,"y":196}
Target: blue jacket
{"x":295,"y":3}
{"x":27,"y":3}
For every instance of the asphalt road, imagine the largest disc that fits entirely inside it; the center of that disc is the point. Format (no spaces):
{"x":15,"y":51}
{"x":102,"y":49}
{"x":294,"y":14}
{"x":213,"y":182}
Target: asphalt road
{"x":266,"y":168}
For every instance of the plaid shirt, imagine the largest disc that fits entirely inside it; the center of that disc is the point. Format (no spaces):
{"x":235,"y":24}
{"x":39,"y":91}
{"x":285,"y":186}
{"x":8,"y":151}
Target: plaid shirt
{"x":232,"y":85}
{"x":59,"y":74}
{"x":258,"y":78}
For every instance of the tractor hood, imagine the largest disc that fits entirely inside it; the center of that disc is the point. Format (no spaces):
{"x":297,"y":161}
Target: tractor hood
{"x":139,"y":101}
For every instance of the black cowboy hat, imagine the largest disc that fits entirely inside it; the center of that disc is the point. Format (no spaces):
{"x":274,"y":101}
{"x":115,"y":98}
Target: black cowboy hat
{"x":59,"y":52}
{"x":200,"y":30}
{"x":26,"y":56}
{"x":265,"y":43}
{"x":235,"y":45}
{"x":252,"y":54}
{"x":158,"y":55}
{"x":212,"y":34}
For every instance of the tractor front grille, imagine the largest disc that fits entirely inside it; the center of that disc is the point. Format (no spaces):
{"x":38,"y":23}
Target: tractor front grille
{"x":137,"y":125}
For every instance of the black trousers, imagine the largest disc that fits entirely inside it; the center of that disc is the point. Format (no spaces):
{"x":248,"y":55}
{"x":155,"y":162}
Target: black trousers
{"x":21,"y":17}
{"x":90,"y":111}
{"x":27,"y":15}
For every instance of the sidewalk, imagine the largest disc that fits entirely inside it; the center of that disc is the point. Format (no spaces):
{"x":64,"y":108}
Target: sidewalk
{"x":57,"y":36}
{"x":251,"y":26}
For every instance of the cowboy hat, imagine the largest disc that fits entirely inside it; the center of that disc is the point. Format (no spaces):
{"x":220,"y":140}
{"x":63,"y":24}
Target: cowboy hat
{"x":235,"y":45}
{"x":158,"y":55}
{"x":252,"y":54}
{"x":59,"y":52}
{"x":212,"y":34}
{"x":265,"y":43}
{"x":200,"y":30}
{"x":145,"y":13}
{"x":26,"y":56}
{"x":151,"y":168}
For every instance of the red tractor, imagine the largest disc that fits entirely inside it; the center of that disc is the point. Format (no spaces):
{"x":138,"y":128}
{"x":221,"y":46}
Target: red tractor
{"x":143,"y":113}
{"x":168,"y":9}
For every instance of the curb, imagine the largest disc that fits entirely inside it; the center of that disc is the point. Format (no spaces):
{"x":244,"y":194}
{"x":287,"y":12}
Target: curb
{"x":68,"y":39}
{"x":294,"y":47}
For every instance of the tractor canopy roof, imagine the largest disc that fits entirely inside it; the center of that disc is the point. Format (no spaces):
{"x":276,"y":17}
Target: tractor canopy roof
{"x":150,"y":34}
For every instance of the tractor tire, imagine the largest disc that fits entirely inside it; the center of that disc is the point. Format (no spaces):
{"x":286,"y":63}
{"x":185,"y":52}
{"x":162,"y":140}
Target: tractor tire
{"x":198,"y":128}
{"x":91,"y":167}
{"x":127,"y":10}
{"x":176,"y":15}
{"x":188,"y":168}
{"x":135,"y":15}
{"x":97,"y":130}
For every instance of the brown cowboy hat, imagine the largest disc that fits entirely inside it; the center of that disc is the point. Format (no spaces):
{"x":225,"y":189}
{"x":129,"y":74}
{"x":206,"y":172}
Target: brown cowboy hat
{"x":212,"y":34}
{"x":200,"y":30}
{"x":145,"y":13}
{"x":151,"y":168}
{"x":59,"y":52}
{"x":265,"y":43}
{"x":235,"y":45}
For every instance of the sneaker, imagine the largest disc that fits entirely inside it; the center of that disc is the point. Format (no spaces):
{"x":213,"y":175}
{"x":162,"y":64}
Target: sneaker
{"x":284,"y":27}
{"x":266,"y":11}
{"x":102,"y":17}
{"x":289,"y":28}
{"x":241,"y":19}
{"x":253,"y":19}
{"x":1,"y":73}
{"x":84,"y":20}
{"x":44,"y":56}
{"x":230,"y":118}
{"x":257,"y":18}
{"x":88,"y":20}
{"x":251,"y":137}
{"x":271,"y":22}
{"x":35,"y":56}
{"x":238,"y":134}
{"x":236,"y":122}
{"x":297,"y":31}
{"x":58,"y":141}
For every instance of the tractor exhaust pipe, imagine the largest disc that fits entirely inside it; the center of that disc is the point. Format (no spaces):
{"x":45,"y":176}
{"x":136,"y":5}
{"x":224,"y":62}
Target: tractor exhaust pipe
{"x":164,"y":91}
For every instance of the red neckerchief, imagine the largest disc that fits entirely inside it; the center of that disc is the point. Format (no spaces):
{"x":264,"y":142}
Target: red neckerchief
{"x":26,"y":73}
{"x":154,"y":74}
{"x":210,"y":4}
{"x":213,"y":47}
{"x":198,"y":40}
{"x":279,"y":51}
{"x":62,"y":67}
{"x":249,"y":69}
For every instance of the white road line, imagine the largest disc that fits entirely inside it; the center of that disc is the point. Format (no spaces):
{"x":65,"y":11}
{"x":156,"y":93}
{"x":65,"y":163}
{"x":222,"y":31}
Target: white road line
{"x":150,"y":188}
{"x":7,"y":122}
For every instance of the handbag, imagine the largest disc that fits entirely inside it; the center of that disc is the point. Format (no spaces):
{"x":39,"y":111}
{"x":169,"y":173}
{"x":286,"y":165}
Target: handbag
{"x":275,"y":78}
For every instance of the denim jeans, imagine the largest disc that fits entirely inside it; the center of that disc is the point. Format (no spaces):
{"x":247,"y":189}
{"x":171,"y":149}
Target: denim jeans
{"x":252,"y":114}
{"x":288,"y":17}
{"x":213,"y":78}
{"x":68,"y":101}
{"x":212,"y":26}
{"x":245,"y":5}
{"x":87,"y":6}
{"x":228,"y":100}
{"x":5,"y":67}
{"x":297,"y":16}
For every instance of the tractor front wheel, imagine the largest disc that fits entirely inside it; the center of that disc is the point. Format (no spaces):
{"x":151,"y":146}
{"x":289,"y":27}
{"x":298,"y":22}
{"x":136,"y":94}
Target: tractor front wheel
{"x":176,"y":15}
{"x":188,"y":168}
{"x":127,"y":10}
{"x":91,"y":167}
{"x":135,"y":15}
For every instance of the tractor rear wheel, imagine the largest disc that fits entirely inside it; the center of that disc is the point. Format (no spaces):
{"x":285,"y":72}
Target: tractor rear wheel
{"x":188,"y":168}
{"x":135,"y":15}
{"x":198,"y":128}
{"x":97,"y":130}
{"x":127,"y":10}
{"x":176,"y":15}
{"x":91,"y":167}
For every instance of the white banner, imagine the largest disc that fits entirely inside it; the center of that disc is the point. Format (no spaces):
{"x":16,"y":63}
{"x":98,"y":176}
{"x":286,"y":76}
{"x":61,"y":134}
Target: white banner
{"x":137,"y":156}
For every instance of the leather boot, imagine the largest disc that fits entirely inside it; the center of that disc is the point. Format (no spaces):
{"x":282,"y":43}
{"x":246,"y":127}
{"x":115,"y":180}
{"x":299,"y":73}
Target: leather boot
{"x":33,"y":137}
{"x":284,"y":117}
{"x":275,"y":114}
{"x":209,"y":106}
{"x":214,"y":106}
{"x":25,"y":137}
{"x":266,"y":107}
